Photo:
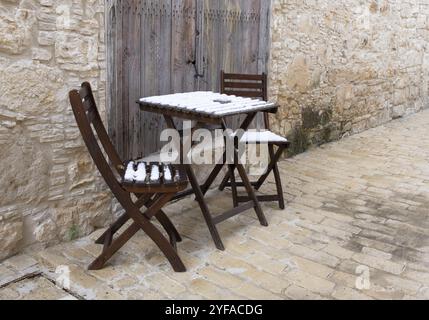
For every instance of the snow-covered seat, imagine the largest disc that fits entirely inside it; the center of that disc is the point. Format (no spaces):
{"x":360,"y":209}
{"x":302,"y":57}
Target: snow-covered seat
{"x":141,"y":176}
{"x":265,"y":136}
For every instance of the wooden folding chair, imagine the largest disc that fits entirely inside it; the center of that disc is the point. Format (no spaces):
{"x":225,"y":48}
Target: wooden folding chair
{"x":153,"y":194}
{"x":255,"y":86}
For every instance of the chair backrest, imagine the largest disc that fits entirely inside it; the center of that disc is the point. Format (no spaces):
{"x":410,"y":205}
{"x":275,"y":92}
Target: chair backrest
{"x":246,"y":85}
{"x":91,"y":126}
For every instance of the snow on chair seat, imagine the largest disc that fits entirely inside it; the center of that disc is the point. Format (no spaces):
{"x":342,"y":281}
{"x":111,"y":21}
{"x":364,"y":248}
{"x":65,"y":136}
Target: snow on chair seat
{"x":262,"y":137}
{"x":150,"y":175}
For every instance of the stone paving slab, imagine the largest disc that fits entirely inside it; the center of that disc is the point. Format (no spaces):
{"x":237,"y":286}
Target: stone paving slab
{"x":356,"y":227}
{"x":38,"y":288}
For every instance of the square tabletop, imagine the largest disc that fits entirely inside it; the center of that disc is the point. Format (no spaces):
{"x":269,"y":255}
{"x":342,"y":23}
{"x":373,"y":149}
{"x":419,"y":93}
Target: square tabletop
{"x":206,"y":104}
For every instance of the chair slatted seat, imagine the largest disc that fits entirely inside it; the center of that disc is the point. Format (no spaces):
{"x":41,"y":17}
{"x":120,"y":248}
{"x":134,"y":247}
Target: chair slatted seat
{"x":169,"y":179}
{"x":152,"y":194}
{"x":255,"y":86}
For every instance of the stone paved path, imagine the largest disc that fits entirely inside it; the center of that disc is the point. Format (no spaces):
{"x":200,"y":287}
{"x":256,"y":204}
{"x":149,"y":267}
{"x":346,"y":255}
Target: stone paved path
{"x":358,"y":210}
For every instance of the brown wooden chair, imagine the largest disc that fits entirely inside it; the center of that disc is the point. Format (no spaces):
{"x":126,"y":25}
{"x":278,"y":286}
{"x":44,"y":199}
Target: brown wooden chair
{"x":255,"y":86}
{"x":153,"y":194}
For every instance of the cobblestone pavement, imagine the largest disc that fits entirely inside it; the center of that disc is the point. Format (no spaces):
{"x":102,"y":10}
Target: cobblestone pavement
{"x":356,"y":227}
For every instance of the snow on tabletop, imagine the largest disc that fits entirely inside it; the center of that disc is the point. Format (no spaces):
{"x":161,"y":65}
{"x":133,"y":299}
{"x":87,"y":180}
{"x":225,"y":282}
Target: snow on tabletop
{"x":206,"y":102}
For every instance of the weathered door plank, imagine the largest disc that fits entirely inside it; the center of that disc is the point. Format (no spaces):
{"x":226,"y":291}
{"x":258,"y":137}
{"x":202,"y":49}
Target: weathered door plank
{"x":159,"y":47}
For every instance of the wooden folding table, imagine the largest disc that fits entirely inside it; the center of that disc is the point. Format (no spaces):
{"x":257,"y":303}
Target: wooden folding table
{"x":209,"y":108}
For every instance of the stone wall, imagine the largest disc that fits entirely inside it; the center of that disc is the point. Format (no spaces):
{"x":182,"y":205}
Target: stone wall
{"x":340,"y":67}
{"x":48,"y":190}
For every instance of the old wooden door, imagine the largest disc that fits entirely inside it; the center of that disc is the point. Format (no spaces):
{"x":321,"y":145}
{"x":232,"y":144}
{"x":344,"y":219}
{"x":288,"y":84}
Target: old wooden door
{"x":159,"y":47}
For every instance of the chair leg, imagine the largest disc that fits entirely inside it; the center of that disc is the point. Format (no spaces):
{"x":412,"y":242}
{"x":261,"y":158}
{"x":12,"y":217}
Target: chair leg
{"x":161,"y":217}
{"x":117,"y":244}
{"x":277,"y":176}
{"x":163,"y":244}
{"x":113,"y":229}
{"x":275,"y":157}
{"x":141,"y":221}
{"x":168,"y":226}
{"x":142,"y":201}
{"x":279,"y":187}
{"x":108,"y":241}
{"x":274,"y":160}
{"x":273,"y":167}
{"x":166,"y":222}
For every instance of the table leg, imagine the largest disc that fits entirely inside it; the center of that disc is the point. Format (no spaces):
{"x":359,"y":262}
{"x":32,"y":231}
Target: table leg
{"x":212,"y":177}
{"x":204,"y":208}
{"x":199,"y":195}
